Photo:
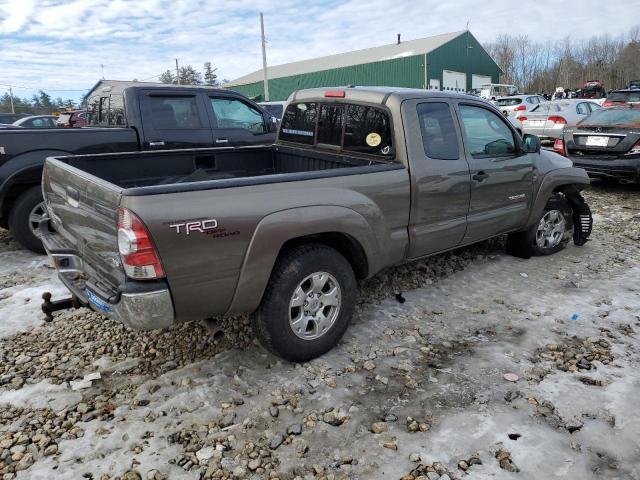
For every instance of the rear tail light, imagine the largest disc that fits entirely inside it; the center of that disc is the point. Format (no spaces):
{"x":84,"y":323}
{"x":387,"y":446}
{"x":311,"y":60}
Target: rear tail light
{"x":635,"y":150}
{"x":521,"y":107}
{"x":558,"y":146}
{"x":522,"y":119}
{"x":558,"y":120}
{"x":609,"y":103}
{"x":335,"y":93}
{"x":139,"y":256}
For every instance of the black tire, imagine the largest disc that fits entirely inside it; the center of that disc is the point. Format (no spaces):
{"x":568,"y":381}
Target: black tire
{"x":525,"y":245}
{"x":19,"y":223}
{"x":271,"y":319}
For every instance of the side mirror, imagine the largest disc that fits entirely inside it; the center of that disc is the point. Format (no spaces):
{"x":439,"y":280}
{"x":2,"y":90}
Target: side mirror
{"x":530,"y":143}
{"x":272,"y":124}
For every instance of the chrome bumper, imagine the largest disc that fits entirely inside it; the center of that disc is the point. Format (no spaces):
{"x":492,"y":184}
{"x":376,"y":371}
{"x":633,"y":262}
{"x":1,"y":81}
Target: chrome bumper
{"x":146,"y":308}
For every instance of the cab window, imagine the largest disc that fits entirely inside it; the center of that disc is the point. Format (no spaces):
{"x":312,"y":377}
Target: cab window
{"x":349,"y":127}
{"x":234,"y":113}
{"x":486,"y":133}
{"x":367,"y":130}
{"x":174,"y":112}
{"x":299,"y":123}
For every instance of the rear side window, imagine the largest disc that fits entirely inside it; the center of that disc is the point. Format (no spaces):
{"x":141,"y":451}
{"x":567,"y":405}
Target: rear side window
{"x":173,"y":113}
{"x":583,"y":109}
{"x":234,"y":113}
{"x":367,"y":130}
{"x":508,"y":102}
{"x":116,"y":111}
{"x":438,"y":131}
{"x":618,"y":97}
{"x":299,"y":123}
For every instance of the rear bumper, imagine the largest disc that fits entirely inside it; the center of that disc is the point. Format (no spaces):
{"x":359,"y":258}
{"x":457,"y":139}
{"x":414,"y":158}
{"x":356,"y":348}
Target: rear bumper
{"x":138,"y":305}
{"x":624,"y":171}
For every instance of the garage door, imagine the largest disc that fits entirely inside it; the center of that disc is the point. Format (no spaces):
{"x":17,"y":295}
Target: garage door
{"x":456,"y":81}
{"x":478,"y":80}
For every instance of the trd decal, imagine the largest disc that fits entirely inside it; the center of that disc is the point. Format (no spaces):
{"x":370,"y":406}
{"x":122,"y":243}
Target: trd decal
{"x":201,"y":226}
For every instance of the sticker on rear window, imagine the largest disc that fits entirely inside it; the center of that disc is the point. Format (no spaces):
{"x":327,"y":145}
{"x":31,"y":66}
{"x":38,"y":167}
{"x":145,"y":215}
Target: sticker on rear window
{"x":373,"y":139}
{"x":304,"y":133}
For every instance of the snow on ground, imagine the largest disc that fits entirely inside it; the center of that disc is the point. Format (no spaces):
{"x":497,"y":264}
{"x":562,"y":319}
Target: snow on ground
{"x":170,"y":405}
{"x":24,"y":276}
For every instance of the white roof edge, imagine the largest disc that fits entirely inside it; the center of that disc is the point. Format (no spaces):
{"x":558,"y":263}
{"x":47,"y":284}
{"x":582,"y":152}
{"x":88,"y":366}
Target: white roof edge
{"x":406,"y":48}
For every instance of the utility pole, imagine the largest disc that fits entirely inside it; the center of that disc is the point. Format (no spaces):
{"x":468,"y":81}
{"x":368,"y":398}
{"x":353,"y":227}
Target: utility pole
{"x":11,"y":97}
{"x":264,"y":60}
{"x":177,"y":72}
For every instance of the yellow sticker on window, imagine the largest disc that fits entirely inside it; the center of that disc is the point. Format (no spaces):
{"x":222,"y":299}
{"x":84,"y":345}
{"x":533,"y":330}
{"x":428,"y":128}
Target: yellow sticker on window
{"x":373,"y":139}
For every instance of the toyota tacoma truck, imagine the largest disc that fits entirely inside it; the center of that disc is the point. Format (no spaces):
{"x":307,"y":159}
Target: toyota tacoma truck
{"x":359,"y":179}
{"x":121,"y":120}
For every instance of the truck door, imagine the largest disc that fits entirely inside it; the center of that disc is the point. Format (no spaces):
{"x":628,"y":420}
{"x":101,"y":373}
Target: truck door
{"x":501,"y":174}
{"x":174,"y":120}
{"x":236,"y":122}
{"x":439,"y":176}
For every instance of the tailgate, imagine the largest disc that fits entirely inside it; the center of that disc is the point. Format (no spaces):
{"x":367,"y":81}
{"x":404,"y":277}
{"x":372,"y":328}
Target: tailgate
{"x":84,"y":212}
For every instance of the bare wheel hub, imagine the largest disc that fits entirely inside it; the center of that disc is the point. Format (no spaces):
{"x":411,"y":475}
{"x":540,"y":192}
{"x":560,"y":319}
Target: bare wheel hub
{"x":315,"y":305}
{"x":551,"y":229}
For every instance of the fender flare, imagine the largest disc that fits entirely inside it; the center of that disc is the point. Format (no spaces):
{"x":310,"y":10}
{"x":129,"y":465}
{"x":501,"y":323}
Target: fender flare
{"x":276,"y":229}
{"x":552,"y":181}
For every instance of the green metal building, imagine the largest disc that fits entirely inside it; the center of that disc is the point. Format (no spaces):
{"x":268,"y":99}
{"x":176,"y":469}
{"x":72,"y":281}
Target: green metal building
{"x":452,"y":61}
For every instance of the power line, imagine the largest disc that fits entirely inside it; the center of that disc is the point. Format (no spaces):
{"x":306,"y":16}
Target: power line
{"x":24,"y":87}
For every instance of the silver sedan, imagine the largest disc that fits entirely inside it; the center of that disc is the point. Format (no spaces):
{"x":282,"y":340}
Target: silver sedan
{"x":548,"y":119}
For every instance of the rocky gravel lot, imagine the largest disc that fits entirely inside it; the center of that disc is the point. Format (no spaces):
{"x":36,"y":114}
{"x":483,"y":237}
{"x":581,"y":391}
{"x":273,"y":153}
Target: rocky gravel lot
{"x":416,"y":390}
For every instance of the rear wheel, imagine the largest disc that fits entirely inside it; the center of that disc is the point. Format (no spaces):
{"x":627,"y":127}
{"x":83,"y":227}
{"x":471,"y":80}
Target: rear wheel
{"x":308,"y":303}
{"x":25,"y":217}
{"x":550,"y":234}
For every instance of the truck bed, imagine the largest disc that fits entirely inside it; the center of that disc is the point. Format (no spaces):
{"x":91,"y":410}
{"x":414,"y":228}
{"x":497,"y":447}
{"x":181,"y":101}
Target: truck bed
{"x":146,"y":173}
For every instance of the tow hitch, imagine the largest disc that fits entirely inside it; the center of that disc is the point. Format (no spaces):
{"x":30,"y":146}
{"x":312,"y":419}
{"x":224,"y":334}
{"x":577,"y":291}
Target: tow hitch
{"x":48,"y":307}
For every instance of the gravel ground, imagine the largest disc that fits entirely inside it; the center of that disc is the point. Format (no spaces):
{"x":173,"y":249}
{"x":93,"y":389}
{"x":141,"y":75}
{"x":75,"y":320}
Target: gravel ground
{"x":416,"y":390}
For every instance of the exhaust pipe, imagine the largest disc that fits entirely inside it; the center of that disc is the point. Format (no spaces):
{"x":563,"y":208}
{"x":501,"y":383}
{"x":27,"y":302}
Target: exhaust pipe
{"x":214,"y":327}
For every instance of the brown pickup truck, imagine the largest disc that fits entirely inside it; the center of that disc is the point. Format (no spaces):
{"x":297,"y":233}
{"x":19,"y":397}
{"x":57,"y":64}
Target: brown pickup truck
{"x":359,"y":179}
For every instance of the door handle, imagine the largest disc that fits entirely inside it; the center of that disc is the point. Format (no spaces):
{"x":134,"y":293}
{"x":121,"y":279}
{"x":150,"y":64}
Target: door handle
{"x":156,"y":143}
{"x":480,"y":176}
{"x":222,"y":140}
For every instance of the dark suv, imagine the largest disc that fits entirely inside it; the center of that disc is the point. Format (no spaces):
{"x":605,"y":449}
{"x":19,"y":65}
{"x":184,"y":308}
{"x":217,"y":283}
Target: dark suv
{"x":620,"y":97}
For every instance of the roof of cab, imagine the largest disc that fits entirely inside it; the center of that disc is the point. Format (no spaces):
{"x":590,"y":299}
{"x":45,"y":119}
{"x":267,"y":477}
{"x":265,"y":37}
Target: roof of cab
{"x":373,"y":94}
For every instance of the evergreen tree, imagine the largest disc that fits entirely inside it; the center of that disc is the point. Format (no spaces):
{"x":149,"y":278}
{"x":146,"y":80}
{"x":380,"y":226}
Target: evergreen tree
{"x":167,"y":77}
{"x":210,"y":78}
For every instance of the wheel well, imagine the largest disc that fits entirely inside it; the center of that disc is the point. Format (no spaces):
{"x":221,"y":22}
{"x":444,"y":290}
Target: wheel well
{"x":21,"y":182}
{"x":348,"y":246}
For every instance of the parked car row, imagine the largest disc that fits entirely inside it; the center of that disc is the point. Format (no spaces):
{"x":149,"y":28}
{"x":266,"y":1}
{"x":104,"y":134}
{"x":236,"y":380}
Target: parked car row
{"x":606,"y":144}
{"x":74,"y":119}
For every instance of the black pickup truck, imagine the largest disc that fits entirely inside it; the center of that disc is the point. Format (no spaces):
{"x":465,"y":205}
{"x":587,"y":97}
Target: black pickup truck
{"x":135,"y":118}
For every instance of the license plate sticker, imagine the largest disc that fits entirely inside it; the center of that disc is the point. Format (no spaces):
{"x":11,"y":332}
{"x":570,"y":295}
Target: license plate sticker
{"x":597,"y":141}
{"x":98,"y":302}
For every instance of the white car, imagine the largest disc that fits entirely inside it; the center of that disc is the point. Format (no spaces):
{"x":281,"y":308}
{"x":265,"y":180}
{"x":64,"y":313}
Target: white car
{"x":518,"y":104}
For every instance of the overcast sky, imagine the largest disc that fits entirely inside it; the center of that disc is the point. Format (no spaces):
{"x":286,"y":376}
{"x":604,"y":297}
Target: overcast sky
{"x":60,"y":45}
